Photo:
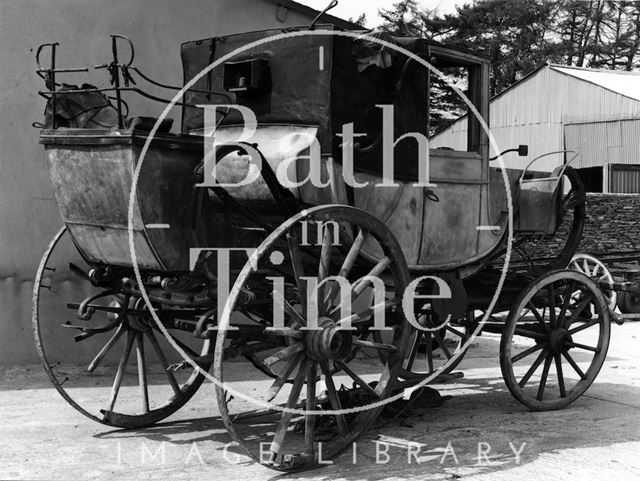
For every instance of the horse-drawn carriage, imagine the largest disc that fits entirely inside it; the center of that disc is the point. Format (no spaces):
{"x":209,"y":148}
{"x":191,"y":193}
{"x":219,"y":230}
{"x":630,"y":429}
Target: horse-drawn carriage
{"x":316,"y":279}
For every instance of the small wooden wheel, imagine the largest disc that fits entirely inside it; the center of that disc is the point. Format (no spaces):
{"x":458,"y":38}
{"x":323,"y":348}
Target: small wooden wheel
{"x":596,"y":270}
{"x":432,"y":352}
{"x":307,"y":366}
{"x":91,"y":371}
{"x":551,"y":325}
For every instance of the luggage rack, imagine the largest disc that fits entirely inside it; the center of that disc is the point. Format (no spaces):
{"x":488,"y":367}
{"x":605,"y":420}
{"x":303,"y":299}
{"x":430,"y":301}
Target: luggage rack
{"x":119,"y":75}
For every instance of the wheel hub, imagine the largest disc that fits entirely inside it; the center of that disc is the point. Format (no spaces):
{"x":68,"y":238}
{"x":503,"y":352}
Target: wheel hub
{"x":329,"y":342}
{"x":133,"y":322}
{"x":558,"y":339}
{"x":139,"y":323}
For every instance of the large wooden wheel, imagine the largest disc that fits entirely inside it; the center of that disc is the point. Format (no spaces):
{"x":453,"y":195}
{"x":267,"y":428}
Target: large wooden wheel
{"x":596,"y":270}
{"x":89,"y":359}
{"x":555,"y":340}
{"x":348,"y":372}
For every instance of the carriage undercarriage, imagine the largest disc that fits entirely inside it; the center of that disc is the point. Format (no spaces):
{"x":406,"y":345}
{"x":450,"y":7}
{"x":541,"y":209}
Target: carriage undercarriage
{"x":319,"y":320}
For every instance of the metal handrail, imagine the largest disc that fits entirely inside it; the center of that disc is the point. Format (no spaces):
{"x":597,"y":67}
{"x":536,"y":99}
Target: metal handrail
{"x":560,"y":174}
{"x":115,"y":69}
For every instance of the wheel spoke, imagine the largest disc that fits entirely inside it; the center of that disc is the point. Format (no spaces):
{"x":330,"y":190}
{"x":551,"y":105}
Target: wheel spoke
{"x":334,"y":399}
{"x":565,"y":303}
{"x":106,"y":348}
{"x":378,"y":269}
{"x":285,"y":333}
{"x":122,"y":365}
{"x":352,"y":255}
{"x":142,"y":372}
{"x":461,"y":335}
{"x":184,"y":347}
{"x":414,"y":350}
{"x":552,"y":306}
{"x":123,"y":353}
{"x":298,"y":320}
{"x":79,"y":272}
{"x":357,"y":379}
{"x":530,"y":334}
{"x":347,"y":265}
{"x":163,"y":361}
{"x":281,"y":431}
{"x":258,"y":413}
{"x":375,"y":345}
{"x":541,"y":357}
{"x":584,"y":326}
{"x":429,"y":346}
{"x":365,"y":315}
{"x":298,"y":269}
{"x":579,"y":308}
{"x":558,"y":360}
{"x":524,"y":354}
{"x":284,"y":354}
{"x":377,"y":339}
{"x":543,"y":379}
{"x":582,"y":346}
{"x":441,"y":343}
{"x":325,"y":264}
{"x":575,"y":366}
{"x":282,"y":378}
{"x":537,"y":315}
{"x":310,"y":419}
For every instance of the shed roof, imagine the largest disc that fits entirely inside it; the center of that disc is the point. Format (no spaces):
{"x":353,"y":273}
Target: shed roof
{"x":622,"y":82}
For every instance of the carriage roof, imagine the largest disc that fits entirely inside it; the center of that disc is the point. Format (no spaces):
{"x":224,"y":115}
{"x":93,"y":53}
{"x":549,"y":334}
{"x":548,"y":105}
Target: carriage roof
{"x":288,"y":84}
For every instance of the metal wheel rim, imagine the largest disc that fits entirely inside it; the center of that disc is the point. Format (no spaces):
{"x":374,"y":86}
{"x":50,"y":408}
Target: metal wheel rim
{"x":506,"y":363}
{"x":331,"y":212}
{"x":116,"y":419}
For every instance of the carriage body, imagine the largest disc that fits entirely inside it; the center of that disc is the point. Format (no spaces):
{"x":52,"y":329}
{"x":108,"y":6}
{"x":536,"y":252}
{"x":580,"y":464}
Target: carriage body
{"x":453,"y":225}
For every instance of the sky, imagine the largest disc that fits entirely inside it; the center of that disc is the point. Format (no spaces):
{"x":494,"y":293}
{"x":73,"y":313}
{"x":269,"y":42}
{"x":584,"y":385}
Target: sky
{"x":354,"y":8}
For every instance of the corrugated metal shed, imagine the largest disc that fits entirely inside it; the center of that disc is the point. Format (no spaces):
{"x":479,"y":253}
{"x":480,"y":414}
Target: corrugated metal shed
{"x":624,"y":179}
{"x":535,"y":110}
{"x":604,"y":142}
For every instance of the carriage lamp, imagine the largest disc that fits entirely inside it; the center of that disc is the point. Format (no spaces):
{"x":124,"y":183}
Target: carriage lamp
{"x":523,"y":151}
{"x":247,"y":76}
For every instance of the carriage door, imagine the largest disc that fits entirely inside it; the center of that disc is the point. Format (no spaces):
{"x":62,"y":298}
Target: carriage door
{"x":455,"y":209}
